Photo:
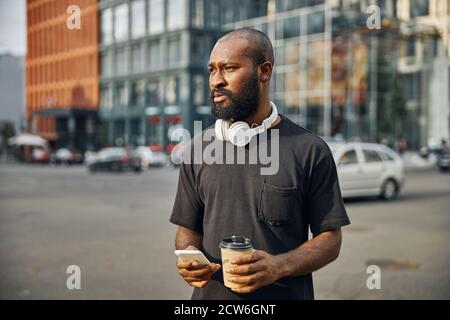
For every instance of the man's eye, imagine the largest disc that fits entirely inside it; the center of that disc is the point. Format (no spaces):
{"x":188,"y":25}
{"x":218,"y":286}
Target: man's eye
{"x":229,"y":68}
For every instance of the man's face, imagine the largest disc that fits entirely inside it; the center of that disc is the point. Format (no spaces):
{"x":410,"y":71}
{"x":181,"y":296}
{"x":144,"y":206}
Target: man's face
{"x":233,"y":80}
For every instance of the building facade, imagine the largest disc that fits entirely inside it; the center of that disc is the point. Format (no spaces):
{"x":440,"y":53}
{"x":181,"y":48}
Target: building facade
{"x":154,"y":57}
{"x":333,"y":74}
{"x":12,"y":91}
{"x":62,"y":69}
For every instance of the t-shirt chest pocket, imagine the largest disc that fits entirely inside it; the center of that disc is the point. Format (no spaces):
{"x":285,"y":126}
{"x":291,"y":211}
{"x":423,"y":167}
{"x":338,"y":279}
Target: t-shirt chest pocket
{"x":277,"y":205}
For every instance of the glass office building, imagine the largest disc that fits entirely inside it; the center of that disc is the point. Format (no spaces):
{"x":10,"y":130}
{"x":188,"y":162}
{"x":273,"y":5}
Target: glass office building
{"x":332,"y":73}
{"x":154,"y":75}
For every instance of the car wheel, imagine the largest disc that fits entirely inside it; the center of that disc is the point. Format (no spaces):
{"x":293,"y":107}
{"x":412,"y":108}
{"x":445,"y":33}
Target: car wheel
{"x":389,"y":190}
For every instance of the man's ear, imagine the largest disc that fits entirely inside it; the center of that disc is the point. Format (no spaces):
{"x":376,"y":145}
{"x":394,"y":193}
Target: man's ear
{"x":265,"y":71}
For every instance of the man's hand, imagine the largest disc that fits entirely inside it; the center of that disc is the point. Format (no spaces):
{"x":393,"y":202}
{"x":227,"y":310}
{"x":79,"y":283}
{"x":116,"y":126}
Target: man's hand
{"x":196,"y":274}
{"x":254,"y":270}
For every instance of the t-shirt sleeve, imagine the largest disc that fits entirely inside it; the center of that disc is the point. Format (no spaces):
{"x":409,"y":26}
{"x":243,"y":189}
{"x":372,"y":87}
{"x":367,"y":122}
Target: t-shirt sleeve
{"x":324,"y":205}
{"x":188,"y":208}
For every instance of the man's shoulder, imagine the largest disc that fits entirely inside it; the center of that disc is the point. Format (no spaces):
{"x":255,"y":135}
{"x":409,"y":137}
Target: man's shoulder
{"x":303,"y":138}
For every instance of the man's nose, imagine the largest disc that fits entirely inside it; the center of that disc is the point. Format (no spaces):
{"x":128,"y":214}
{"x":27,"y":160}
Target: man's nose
{"x":217,"y":80}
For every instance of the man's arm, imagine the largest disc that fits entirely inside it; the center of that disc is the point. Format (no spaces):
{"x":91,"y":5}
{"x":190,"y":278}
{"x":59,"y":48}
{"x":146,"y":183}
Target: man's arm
{"x":186,"y":237}
{"x":260,"y":268}
{"x":312,"y":255}
{"x":191,"y":271}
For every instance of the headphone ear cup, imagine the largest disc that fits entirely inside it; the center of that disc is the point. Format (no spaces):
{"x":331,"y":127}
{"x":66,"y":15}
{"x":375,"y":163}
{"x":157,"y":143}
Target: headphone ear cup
{"x":221,"y":129}
{"x":240,"y":133}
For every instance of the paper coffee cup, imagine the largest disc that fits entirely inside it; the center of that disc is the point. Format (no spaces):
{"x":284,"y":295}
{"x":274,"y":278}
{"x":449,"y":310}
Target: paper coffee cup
{"x":231,"y":248}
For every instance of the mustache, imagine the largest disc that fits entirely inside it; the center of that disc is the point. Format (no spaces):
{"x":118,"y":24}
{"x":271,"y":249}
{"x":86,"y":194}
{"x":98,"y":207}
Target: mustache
{"x":221,"y":91}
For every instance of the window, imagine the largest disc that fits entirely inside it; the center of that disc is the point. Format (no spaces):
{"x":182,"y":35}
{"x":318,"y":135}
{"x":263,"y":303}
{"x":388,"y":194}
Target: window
{"x":316,"y":22}
{"x":228,"y":13}
{"x":155,"y":55}
{"x":286,"y":5}
{"x":199,"y":90}
{"x":291,"y":27}
{"x":197,"y":13}
{"x":349,"y":157}
{"x":137,"y":93}
{"x":105,"y":98}
{"x":419,"y":8}
{"x":172,"y":92}
{"x":386,"y":156}
{"x":121,"y":62}
{"x":371,"y":156}
{"x":410,"y":47}
{"x":106,"y":64}
{"x":106,"y":26}
{"x":314,"y":114}
{"x":176,"y":14}
{"x":137,"y":61}
{"x":137,"y":18}
{"x":121,"y":22}
{"x":212,"y":18}
{"x":292,"y":53}
{"x":121,"y":95}
{"x":174,"y":54}
{"x":198,"y":50}
{"x":156,"y":16}
{"x":154,"y":94}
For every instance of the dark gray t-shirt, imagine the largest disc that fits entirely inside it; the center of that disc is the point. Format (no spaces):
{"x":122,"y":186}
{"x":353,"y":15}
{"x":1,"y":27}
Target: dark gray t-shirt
{"x":275,"y":211}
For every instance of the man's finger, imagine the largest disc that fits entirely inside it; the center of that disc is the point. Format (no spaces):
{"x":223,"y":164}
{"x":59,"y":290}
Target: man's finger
{"x":246,"y":289}
{"x":245,"y":269}
{"x":189,"y":264}
{"x":248,"y":258}
{"x":247,"y":279}
{"x":200,"y":273}
{"x":199,"y":284}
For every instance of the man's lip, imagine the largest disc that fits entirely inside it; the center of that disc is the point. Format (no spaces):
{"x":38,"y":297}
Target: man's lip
{"x":219,"y":98}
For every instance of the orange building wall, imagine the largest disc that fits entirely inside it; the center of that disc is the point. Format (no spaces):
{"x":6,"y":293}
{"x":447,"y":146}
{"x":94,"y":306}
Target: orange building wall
{"x":61,"y":64}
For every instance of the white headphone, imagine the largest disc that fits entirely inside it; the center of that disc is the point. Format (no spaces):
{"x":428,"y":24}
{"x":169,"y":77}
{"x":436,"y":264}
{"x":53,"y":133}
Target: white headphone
{"x":239,"y":133}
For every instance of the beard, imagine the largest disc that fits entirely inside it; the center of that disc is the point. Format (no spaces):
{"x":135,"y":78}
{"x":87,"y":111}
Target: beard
{"x":242,"y":104}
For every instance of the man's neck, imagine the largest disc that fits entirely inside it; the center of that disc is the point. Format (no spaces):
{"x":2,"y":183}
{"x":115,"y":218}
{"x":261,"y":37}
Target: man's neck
{"x":258,"y":117}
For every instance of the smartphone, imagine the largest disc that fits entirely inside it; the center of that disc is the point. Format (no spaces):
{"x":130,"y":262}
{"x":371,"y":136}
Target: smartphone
{"x":196,"y":255}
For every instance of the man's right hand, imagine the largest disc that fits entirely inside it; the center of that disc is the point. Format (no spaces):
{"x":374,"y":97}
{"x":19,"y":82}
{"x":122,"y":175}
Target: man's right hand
{"x":196,"y":274}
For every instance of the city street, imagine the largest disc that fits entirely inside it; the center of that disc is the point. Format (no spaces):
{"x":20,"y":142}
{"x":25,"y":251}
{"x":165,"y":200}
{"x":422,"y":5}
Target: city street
{"x":115,"y":228}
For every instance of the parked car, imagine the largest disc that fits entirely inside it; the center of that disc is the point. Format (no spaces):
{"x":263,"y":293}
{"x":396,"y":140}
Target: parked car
{"x":443,"y":159}
{"x":40,"y":155}
{"x":65,"y":156}
{"x":367,"y":169}
{"x":115,"y":159}
{"x":151,"y":158}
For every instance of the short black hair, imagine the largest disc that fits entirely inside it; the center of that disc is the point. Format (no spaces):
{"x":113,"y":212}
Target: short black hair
{"x":261,"y":50}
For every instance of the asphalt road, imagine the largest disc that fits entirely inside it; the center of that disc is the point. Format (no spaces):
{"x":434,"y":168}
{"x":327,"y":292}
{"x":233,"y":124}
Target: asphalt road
{"x":115,"y":228}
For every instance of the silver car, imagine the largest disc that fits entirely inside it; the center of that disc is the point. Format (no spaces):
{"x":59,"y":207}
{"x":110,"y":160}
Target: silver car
{"x":368,"y":169}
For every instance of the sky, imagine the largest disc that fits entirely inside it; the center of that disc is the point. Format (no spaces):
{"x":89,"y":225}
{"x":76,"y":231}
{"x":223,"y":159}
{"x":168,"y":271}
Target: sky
{"x":13,"y":27}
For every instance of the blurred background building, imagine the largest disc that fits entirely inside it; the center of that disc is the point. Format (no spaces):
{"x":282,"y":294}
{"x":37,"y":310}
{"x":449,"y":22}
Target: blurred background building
{"x":62,"y":73}
{"x":12,"y":88}
{"x":334,"y":73}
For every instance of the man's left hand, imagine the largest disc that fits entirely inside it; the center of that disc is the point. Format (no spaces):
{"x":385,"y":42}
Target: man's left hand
{"x":254,"y":270}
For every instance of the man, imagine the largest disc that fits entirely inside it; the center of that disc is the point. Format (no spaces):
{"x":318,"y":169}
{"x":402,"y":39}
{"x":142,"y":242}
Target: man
{"x":220,"y":200}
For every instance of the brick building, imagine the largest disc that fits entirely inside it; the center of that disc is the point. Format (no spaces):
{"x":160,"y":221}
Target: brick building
{"x":62,"y":72}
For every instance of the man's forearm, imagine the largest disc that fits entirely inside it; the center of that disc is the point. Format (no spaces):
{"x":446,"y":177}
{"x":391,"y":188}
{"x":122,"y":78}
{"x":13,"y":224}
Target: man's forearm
{"x":312,"y":255}
{"x":186,"y":237}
